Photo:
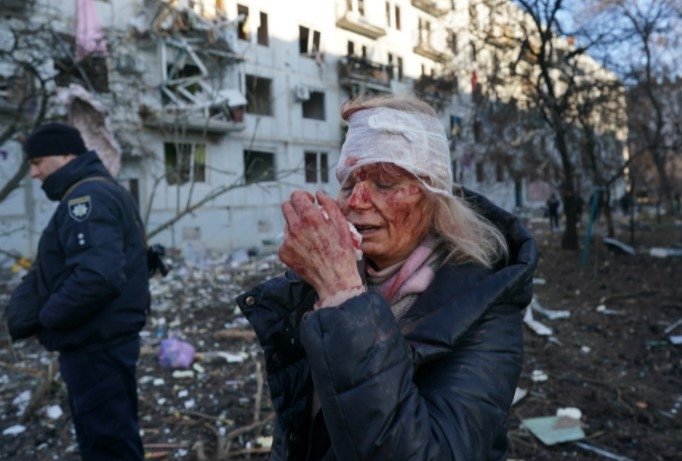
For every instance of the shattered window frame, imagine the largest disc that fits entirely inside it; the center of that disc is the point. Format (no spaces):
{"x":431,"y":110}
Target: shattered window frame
{"x":258,"y":95}
{"x":262,"y":32}
{"x":184,"y":161}
{"x":259,"y":166}
{"x":316,"y":166}
{"x":309,"y":41}
{"x":241,"y":28}
{"x":314,"y":107}
{"x":92,"y":71}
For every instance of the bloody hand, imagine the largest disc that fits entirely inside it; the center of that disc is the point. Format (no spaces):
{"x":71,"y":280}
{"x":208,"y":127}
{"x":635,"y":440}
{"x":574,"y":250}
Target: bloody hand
{"x":319,"y":248}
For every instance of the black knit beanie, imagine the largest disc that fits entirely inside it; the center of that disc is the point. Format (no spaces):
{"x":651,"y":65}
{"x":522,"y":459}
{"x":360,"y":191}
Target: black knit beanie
{"x":54,"y":139}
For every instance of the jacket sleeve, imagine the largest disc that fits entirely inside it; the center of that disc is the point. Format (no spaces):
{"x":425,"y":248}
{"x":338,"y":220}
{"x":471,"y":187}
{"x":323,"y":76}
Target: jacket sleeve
{"x":21,"y":312}
{"x":375,"y":407}
{"x":93,"y":251}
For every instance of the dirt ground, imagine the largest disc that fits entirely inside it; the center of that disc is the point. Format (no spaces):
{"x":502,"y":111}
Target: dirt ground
{"x":615,"y":363}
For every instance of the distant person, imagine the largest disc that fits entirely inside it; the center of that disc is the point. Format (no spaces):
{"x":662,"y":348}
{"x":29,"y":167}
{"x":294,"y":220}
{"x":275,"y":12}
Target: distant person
{"x":91,"y":268}
{"x":413,"y":352}
{"x":553,"y":211}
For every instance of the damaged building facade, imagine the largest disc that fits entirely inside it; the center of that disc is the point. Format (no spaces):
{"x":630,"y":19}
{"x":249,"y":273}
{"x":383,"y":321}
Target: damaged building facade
{"x":212,"y":112}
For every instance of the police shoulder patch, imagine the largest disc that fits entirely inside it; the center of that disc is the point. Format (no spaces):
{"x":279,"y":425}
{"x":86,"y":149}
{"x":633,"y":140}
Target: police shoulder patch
{"x":80,"y":207}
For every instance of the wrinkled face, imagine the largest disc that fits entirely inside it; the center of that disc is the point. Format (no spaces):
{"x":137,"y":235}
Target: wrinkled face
{"x":387,"y":206}
{"x":42,"y":167}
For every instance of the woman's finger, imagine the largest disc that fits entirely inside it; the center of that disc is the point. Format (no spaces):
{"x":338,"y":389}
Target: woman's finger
{"x":333,"y":211}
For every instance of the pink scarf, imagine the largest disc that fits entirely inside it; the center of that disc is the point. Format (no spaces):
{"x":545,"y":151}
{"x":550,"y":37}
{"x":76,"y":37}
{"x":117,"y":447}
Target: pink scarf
{"x":411,"y":276}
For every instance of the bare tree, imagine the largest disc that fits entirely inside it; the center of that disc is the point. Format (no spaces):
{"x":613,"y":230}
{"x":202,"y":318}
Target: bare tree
{"x":650,"y":33}
{"x":25,"y":85}
{"x":554,"y":73}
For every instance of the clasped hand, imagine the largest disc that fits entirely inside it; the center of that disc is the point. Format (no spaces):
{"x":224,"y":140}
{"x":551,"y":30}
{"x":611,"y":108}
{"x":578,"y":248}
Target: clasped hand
{"x":319,"y":247}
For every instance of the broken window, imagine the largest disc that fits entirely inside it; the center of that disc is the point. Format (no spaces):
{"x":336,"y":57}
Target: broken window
{"x":91,"y":72}
{"x":350,"y":48}
{"x":258,"y":95}
{"x":187,"y":86}
{"x":388,"y":14}
{"x":258,"y":166}
{"x":424,"y":27}
{"x":314,"y":106}
{"x":397,"y":17}
{"x":185,"y":162}
{"x":391,"y":70}
{"x":263,"y":38}
{"x":243,"y":25}
{"x":316,"y":167}
{"x":400,"y":68}
{"x":308,"y":41}
{"x":361,"y":7}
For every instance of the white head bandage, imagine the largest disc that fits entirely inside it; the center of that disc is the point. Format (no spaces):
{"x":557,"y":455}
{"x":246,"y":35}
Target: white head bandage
{"x":415,"y":142}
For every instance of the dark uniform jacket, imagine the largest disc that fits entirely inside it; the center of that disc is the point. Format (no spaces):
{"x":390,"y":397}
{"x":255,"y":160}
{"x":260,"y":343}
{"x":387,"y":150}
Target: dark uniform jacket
{"x":91,"y":264}
{"x":437,"y":385}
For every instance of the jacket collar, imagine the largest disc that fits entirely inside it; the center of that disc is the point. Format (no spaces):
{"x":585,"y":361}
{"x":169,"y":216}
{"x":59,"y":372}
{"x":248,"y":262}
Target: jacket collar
{"x":461,"y":294}
{"x":84,"y":165}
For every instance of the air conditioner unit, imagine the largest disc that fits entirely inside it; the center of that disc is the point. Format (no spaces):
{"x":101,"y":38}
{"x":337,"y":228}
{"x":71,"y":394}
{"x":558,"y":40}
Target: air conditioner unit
{"x":301,"y":93}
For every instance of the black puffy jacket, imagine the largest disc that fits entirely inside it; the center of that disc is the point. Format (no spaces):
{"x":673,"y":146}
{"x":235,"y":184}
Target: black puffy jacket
{"x":437,"y":385}
{"x":91,"y":258}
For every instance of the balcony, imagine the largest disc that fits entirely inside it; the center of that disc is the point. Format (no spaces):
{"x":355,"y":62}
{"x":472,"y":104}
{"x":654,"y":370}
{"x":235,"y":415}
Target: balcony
{"x":220,"y":114}
{"x":430,"y":7}
{"x":353,"y":22}
{"x":360,"y":75}
{"x":425,"y":49}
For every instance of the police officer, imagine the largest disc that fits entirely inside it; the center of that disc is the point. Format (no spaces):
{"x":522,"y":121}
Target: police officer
{"x":91,"y":267}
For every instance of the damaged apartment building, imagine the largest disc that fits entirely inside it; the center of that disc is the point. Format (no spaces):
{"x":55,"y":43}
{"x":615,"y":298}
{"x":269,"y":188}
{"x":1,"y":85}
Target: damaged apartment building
{"x":211,"y":112}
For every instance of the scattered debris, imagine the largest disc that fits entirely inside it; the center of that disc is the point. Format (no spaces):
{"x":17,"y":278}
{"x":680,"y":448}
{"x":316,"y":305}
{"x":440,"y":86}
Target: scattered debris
{"x":21,"y":401}
{"x":175,"y":353}
{"x":659,"y":252}
{"x":550,"y":314}
{"x":183,"y":374}
{"x":519,"y":394}
{"x":602,"y":309}
{"x":602,"y":452}
{"x":672,"y":326}
{"x":539,"y":281}
{"x":619,"y":247}
{"x":14,"y":430}
{"x":534,"y":325}
{"x":54,"y":411}
{"x":539,"y":376}
{"x":674,"y":339}
{"x":218,"y":408}
{"x":564,"y":427}
{"x":219,"y":356}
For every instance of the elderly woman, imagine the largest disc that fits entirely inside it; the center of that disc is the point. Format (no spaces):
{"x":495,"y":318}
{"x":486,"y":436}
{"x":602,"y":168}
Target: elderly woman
{"x":414,"y":351}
